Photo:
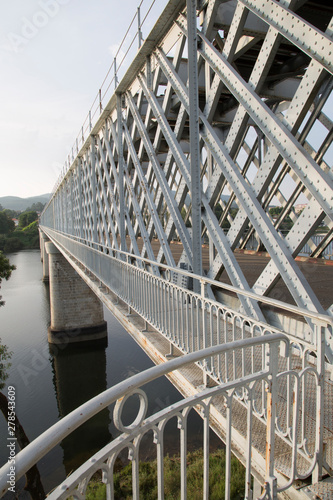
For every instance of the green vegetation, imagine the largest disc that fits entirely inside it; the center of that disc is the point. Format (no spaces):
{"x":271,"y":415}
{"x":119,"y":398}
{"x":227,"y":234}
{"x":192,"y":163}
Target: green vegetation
{"x":22,"y":237}
{"x":27,"y":218}
{"x":5,"y":272}
{"x":286,"y":223}
{"x":6,"y":224}
{"x":5,"y":355}
{"x":148,"y":479}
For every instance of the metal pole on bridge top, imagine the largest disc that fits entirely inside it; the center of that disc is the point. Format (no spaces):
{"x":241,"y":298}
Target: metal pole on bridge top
{"x":194,"y":138}
{"x":115,"y":73}
{"x":139,"y":29}
{"x":121,"y":173}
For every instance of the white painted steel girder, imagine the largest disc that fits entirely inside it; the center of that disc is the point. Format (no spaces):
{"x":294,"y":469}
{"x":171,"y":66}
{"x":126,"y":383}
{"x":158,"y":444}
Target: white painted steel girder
{"x":230,"y":262}
{"x":172,"y":206}
{"x":258,"y":76}
{"x":278,"y":250}
{"x":317,"y":181}
{"x":299,"y":32}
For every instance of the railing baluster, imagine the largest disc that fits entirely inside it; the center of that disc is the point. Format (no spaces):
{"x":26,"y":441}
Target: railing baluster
{"x":248,"y":491}
{"x":205,"y":417}
{"x":159,"y":440}
{"x":228,"y":399}
{"x":182,"y":424}
{"x":320,"y":331}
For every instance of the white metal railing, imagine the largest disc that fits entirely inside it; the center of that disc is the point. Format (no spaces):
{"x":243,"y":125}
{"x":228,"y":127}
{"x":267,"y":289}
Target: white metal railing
{"x":192,"y":321}
{"x":76,"y":484}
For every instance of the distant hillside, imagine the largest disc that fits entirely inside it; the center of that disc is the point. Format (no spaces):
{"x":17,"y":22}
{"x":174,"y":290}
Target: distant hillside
{"x":16,"y":203}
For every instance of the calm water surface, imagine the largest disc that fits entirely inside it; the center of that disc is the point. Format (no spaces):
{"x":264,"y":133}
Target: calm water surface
{"x":50,"y":383}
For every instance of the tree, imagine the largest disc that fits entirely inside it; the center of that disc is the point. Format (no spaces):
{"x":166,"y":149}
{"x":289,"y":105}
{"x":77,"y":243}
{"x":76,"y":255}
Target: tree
{"x":6,"y":223}
{"x":37,"y":207}
{"x":27,"y":218}
{"x":286,"y":224}
{"x":5,"y":355}
{"x":11,"y":213}
{"x":5,"y":271}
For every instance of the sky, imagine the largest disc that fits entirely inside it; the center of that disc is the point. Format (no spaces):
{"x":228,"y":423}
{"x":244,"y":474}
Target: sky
{"x":54,"y":55}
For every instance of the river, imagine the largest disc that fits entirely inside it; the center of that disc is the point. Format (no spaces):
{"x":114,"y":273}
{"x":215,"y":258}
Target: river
{"x":50,"y":383}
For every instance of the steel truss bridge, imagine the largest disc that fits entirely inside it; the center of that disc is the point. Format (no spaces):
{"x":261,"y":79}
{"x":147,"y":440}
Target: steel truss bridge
{"x":224,"y":112}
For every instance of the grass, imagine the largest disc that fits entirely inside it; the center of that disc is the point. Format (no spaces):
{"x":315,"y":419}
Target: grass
{"x":148,"y":479}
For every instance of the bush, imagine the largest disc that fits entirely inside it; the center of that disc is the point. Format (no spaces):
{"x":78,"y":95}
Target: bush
{"x":27,"y":238}
{"x":13,"y":245}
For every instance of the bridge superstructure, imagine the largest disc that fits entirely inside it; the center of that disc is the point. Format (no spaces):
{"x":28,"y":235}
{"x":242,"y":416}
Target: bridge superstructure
{"x":261,"y":133}
{"x":224,"y":113}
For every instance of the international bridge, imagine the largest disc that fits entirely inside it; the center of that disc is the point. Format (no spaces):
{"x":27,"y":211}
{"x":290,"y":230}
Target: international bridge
{"x":163,"y":213}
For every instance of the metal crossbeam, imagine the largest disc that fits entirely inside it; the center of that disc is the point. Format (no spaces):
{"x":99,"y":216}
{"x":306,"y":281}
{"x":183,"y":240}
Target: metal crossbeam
{"x":219,"y":118}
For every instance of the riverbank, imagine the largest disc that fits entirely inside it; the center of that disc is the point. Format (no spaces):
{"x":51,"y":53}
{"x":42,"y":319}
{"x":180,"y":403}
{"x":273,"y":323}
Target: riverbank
{"x":20,"y":239}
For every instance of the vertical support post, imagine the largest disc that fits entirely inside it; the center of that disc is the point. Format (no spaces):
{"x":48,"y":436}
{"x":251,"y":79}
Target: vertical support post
{"x":63,"y":206}
{"x":79,"y":182}
{"x":194,"y":139}
{"x":115,"y":73}
{"x":207,"y":362}
{"x":270,"y":480}
{"x":228,"y":447}
{"x":93,"y":187}
{"x":210,"y":173}
{"x":158,"y":440}
{"x":148,"y":73}
{"x":72,"y":204}
{"x":82,"y":136}
{"x":320,"y":332}
{"x":248,"y":491}
{"x":135,"y":473}
{"x":139,"y":29}
{"x":100,"y":101}
{"x":54,"y":213}
{"x":121,"y":173}
{"x":260,"y":136}
{"x":206,"y":453}
{"x":182,"y":425}
{"x":90,"y":124}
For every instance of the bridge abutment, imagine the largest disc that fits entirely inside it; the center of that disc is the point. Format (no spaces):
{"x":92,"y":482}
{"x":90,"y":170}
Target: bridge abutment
{"x":76,"y":312}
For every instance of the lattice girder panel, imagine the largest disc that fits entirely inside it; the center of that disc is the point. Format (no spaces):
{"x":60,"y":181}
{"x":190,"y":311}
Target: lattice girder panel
{"x":265,"y":141}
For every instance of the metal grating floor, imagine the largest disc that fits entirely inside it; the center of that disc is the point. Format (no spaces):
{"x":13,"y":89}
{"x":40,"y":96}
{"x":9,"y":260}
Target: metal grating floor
{"x":323,"y":490}
{"x":191,"y":380}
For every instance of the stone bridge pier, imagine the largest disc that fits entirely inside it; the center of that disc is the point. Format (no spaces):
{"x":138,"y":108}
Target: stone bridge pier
{"x":76,"y":312}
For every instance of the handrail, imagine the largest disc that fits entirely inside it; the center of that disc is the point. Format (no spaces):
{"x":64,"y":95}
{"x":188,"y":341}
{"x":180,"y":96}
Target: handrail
{"x":203,"y":279}
{"x":37,"y":449}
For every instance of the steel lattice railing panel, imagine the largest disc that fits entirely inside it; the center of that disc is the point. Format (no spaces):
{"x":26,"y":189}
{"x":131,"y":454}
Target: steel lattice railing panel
{"x":264,"y":107}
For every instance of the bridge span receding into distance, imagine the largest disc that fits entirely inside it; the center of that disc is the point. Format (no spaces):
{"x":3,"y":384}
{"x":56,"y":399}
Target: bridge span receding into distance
{"x":217,"y":139}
